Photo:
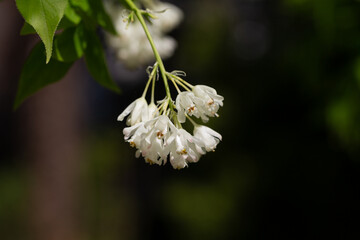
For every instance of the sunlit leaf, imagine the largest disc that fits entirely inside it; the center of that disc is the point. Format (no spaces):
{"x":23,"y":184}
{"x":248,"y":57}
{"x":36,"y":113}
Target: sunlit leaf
{"x":70,"y":19}
{"x":44,"y":16}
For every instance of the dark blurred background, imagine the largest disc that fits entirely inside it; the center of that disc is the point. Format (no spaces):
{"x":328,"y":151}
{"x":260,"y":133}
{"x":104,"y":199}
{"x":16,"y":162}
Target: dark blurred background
{"x":288,"y":165}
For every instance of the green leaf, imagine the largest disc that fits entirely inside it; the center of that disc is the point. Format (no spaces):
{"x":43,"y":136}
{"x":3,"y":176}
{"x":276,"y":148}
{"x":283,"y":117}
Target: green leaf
{"x":95,"y":61}
{"x":36,"y":74}
{"x":101,"y":16}
{"x":83,"y":4}
{"x":93,"y":12}
{"x":82,"y":8}
{"x":70,"y":19}
{"x":69,"y":45}
{"x":64,"y":24}
{"x":44,"y":16}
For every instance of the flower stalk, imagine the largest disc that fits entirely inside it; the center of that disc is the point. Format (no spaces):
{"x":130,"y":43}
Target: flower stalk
{"x":138,"y":14}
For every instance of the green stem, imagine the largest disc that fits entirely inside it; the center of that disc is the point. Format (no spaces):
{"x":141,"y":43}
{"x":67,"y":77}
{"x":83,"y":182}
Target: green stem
{"x":186,"y":88}
{"x":151,"y":41}
{"x":182,"y":80}
{"x":177,"y":88}
{"x":171,"y":77}
{"x":153,"y":89}
{"x":146,"y":88}
{"x":192,"y":121}
{"x":151,"y":76}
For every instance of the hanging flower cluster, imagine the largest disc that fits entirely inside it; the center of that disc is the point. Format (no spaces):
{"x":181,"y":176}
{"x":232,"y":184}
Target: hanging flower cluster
{"x":131,"y":44}
{"x":155,"y":129}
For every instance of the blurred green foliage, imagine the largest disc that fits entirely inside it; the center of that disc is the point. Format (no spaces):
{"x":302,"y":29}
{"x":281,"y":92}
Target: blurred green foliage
{"x":333,"y":48}
{"x":13,"y":200}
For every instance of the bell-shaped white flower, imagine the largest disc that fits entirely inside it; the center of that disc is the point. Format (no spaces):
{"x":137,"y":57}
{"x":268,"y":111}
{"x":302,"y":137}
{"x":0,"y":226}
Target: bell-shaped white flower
{"x":183,"y":148}
{"x":134,"y":134}
{"x":212,"y":100}
{"x":188,"y":103}
{"x":154,"y":147}
{"x":138,"y":112}
{"x":151,"y":152}
{"x":153,"y":111}
{"x":208,"y":137}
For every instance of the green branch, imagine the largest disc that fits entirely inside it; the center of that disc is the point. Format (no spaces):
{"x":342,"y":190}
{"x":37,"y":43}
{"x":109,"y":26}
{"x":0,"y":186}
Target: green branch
{"x":138,"y":14}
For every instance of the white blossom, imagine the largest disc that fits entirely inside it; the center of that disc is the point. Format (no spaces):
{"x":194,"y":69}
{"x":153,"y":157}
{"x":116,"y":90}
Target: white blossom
{"x":208,"y":137}
{"x":132,"y":46}
{"x":138,"y":111}
{"x":158,"y":139}
{"x":184,"y":148}
{"x":212,"y":100}
{"x":188,"y":103}
{"x":153,"y":111}
{"x":150,"y":139}
{"x":134,"y":134}
{"x":154,"y":147}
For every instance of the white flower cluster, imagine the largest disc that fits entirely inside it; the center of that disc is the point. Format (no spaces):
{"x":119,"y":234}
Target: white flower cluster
{"x":131,"y":45}
{"x":157,"y":138}
{"x":156,"y":130}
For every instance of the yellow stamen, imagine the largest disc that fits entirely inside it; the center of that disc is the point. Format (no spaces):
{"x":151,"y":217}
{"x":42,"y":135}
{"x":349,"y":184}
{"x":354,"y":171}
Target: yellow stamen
{"x":149,"y":161}
{"x":182,"y":152}
{"x":159,"y":134}
{"x":191,"y":109}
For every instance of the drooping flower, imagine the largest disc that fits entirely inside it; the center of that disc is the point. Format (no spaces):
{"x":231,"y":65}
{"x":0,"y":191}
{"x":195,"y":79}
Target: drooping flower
{"x":153,"y":111}
{"x":188,"y":103}
{"x":184,"y":148}
{"x":208,"y":137}
{"x":134,"y":134}
{"x":138,"y":111}
{"x":212,"y":100}
{"x":154,"y":147}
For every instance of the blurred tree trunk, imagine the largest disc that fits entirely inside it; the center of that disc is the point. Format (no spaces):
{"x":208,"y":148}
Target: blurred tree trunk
{"x":54,"y":143}
{"x":52,"y":119}
{"x":11,"y":49}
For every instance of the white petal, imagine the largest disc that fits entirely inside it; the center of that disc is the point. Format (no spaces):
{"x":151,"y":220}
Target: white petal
{"x":214,"y":133}
{"x":153,"y":111}
{"x":126,"y":111}
{"x":207,"y":136}
{"x":130,"y":130}
{"x":181,"y":115}
{"x":138,"y":111}
{"x":177,"y":161}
